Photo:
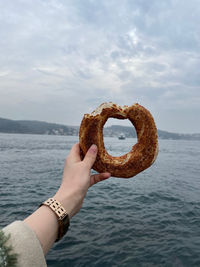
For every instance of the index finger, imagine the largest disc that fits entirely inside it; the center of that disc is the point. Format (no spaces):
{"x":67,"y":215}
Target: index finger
{"x":74,"y":154}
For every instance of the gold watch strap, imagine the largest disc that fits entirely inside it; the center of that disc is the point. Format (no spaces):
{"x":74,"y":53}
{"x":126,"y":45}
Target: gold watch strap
{"x":61,"y":213}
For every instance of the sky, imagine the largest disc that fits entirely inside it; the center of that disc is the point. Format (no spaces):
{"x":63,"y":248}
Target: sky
{"x":60,"y":59}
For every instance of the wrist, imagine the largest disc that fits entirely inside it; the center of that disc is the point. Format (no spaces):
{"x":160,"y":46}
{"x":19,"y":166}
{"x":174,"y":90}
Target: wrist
{"x":61,"y":215}
{"x":67,"y":202}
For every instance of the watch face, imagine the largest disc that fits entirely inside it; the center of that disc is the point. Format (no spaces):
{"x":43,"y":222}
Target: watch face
{"x":65,"y":224}
{"x":63,"y":227}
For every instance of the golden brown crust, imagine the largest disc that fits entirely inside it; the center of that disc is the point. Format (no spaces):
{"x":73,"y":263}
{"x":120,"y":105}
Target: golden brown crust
{"x":142,"y":154}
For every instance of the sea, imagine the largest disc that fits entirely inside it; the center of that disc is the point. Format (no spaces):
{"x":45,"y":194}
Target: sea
{"x":152,"y":219}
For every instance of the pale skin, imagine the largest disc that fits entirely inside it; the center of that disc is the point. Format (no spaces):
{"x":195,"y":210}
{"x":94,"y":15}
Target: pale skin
{"x":76,"y":181}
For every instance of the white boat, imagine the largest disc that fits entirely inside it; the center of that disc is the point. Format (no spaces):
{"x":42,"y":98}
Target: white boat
{"x":121,"y":136}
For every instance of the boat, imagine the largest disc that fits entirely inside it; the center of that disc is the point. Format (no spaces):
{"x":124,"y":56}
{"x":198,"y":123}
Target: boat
{"x":121,"y":136}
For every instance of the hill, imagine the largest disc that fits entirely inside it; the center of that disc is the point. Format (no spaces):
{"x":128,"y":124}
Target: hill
{"x":40,"y":127}
{"x":36,"y":127}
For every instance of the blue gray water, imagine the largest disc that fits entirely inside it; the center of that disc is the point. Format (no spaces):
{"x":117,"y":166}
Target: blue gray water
{"x":152,"y":219}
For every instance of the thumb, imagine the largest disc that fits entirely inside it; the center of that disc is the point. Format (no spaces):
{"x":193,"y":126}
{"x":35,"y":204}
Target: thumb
{"x":90,"y":156}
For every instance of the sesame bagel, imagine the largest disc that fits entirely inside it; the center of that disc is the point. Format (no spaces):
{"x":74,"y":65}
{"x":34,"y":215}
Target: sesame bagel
{"x":142,"y":154}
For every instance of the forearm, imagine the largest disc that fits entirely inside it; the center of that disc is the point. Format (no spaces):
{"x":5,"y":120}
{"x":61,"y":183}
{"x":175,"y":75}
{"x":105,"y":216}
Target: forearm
{"x":44,"y":221}
{"x":45,"y":225}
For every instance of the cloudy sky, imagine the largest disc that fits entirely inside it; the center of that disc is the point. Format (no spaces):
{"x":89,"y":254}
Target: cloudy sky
{"x":60,"y":59}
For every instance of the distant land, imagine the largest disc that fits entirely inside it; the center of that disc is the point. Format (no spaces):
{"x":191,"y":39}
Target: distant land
{"x":40,"y":127}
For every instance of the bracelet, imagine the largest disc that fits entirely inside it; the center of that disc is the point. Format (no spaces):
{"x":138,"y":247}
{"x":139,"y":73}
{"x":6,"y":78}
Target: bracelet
{"x":61,"y":214}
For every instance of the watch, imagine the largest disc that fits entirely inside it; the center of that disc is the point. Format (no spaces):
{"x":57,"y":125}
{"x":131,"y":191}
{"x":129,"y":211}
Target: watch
{"x":61,"y":214}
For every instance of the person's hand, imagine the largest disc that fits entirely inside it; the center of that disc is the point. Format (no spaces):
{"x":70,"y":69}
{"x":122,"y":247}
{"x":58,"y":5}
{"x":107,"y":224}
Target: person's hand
{"x":77,"y":179}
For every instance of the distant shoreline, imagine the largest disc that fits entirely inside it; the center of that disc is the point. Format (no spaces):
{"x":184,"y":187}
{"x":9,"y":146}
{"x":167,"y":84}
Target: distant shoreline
{"x":160,"y":138}
{"x":45,"y":128}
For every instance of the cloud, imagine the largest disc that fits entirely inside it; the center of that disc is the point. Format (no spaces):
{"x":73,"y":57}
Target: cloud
{"x":74,"y":55}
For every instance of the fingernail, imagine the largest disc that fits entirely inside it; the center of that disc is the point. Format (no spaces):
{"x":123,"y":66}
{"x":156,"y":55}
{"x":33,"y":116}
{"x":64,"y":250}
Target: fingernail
{"x":93,"y":148}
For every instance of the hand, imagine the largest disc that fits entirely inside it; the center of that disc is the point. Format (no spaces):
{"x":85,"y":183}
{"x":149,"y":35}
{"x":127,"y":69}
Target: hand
{"x":77,"y":179}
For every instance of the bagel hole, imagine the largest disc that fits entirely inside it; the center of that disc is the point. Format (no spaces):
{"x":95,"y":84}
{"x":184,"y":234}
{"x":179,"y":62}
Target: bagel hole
{"x":119,"y":136}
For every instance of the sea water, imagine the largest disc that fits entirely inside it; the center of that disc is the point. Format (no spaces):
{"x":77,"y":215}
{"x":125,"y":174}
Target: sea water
{"x":152,"y":219}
